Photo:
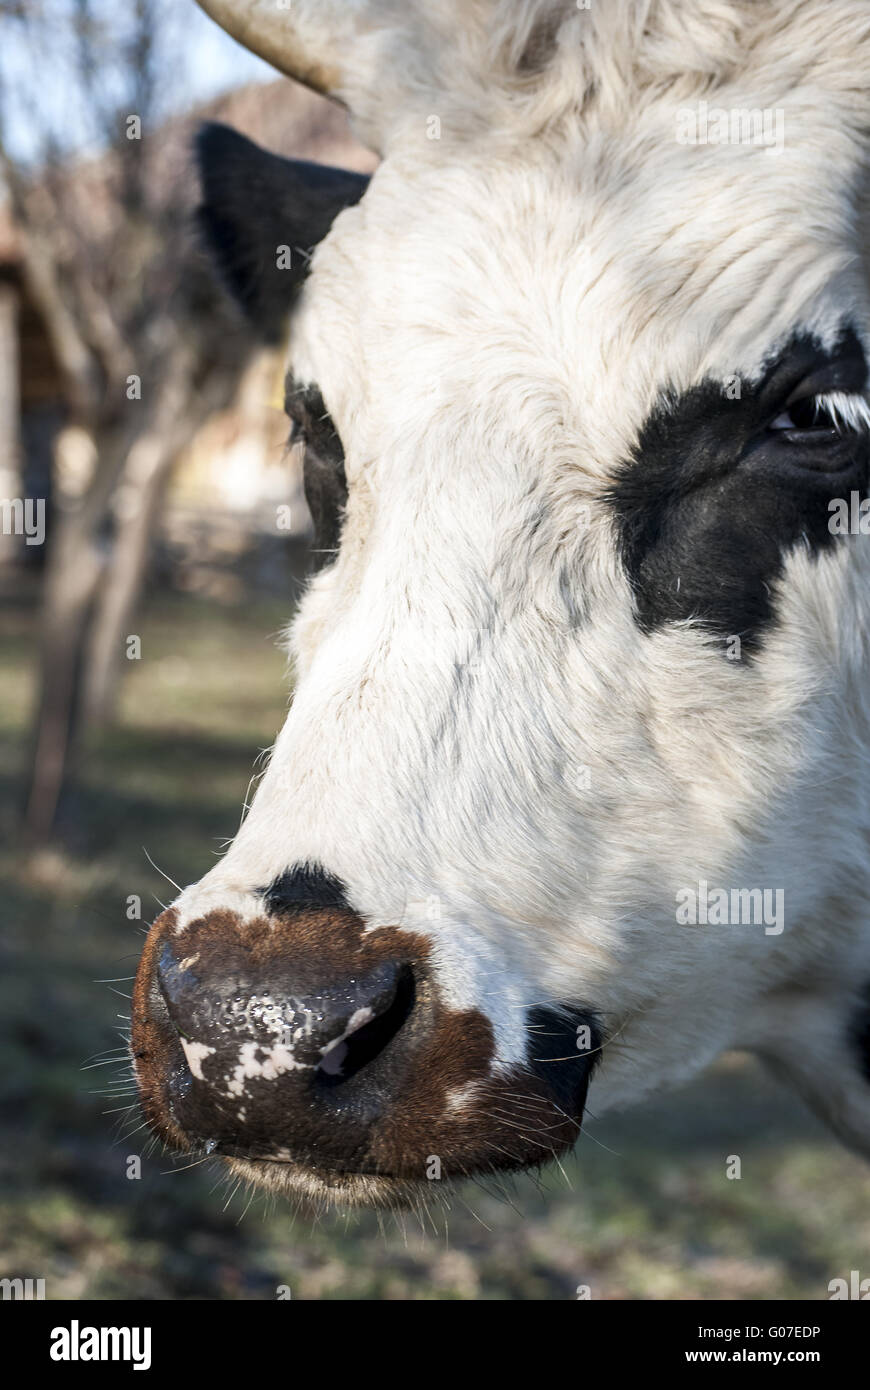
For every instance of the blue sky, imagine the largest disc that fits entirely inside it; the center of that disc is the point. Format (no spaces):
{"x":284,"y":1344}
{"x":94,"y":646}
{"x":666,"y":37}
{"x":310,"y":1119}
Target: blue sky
{"x":195,"y":60}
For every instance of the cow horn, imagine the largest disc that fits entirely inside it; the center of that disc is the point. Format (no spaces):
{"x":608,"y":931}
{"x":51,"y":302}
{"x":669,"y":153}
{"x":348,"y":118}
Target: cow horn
{"x":301,"y":40}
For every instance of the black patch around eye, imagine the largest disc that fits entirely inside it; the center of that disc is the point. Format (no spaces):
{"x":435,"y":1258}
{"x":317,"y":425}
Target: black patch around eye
{"x":323,"y":474}
{"x":711,"y":502}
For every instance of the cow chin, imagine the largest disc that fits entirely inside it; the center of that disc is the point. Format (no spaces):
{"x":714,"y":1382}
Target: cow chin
{"x":500,"y":1137}
{"x":498,"y":1124}
{"x":330,"y":1189}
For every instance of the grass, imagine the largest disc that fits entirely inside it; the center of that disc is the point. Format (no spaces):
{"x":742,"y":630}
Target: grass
{"x":644,"y":1209}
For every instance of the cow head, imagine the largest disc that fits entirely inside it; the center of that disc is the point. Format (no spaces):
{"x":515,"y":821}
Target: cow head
{"x":575,"y":770}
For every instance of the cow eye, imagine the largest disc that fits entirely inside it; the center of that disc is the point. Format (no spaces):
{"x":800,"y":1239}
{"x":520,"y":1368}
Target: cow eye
{"x":297,"y":433}
{"x":311,"y":423}
{"x":823,"y":418}
{"x":323,"y":473}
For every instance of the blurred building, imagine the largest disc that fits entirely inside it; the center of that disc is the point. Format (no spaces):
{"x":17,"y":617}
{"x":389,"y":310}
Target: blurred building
{"x":235,"y":498}
{"x":31,"y":397}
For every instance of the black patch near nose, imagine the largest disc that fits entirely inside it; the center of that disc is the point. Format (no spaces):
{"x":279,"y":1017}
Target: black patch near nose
{"x":304,"y":886}
{"x":563,"y":1050}
{"x":711,"y":501}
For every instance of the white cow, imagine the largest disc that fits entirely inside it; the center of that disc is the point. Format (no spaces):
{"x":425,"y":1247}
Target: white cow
{"x":574,"y":784}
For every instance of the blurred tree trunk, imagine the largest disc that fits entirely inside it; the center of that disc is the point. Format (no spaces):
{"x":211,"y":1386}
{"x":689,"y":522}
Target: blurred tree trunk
{"x":72,"y":576}
{"x":94,"y":583}
{"x":75,"y":556}
{"x":10,"y":414}
{"x":116,"y":603}
{"x":138,"y":508}
{"x":139,"y":337}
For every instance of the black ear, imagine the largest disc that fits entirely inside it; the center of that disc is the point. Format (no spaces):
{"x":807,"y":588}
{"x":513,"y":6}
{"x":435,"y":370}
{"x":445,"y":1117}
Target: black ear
{"x":256,"y":203}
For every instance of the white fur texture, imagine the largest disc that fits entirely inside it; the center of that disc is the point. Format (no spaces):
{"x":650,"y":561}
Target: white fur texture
{"x":478,"y":722}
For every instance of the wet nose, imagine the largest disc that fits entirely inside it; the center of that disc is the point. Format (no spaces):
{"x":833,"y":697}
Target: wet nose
{"x":304,"y":1024}
{"x":283,"y":1050}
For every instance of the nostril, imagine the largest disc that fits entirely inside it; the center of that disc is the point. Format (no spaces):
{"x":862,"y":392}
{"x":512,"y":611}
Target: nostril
{"x":346,"y":1056}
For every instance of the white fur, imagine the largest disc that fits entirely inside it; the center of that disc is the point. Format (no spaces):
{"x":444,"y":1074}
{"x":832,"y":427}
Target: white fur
{"x":489,"y":329}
